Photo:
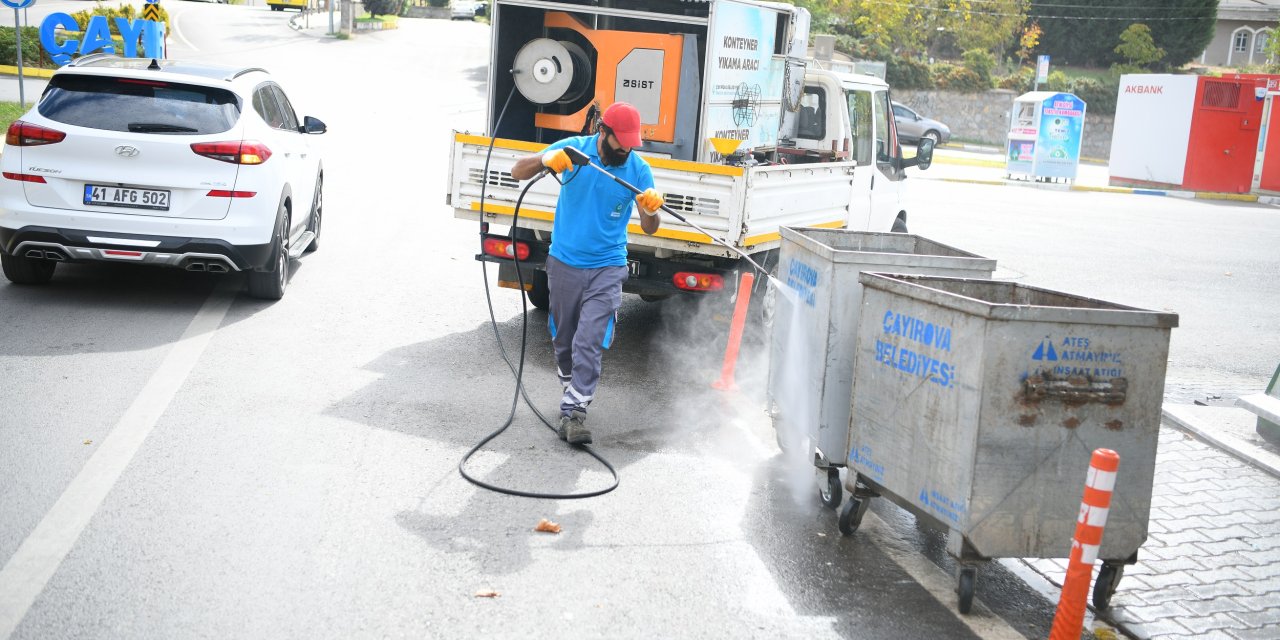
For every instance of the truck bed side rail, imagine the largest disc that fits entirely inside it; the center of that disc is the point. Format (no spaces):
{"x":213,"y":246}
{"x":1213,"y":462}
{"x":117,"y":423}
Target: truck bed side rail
{"x":744,"y":206}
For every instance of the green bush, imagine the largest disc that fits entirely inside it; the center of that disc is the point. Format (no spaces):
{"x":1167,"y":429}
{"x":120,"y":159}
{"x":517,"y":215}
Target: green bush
{"x":981,"y":62}
{"x":1100,"y":96}
{"x":384,"y":7}
{"x":126,"y":11}
{"x":33,"y":55}
{"x":1058,"y":81}
{"x":952,"y":78}
{"x":905,"y":73}
{"x":1021,"y":80}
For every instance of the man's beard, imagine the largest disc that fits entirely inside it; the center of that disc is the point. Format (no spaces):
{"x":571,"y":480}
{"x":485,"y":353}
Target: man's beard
{"x":613,"y":157}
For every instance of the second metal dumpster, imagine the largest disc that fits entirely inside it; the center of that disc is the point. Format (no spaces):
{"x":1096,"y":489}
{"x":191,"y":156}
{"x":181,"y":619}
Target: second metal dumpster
{"x":811,"y":352}
{"x":977,"y":403}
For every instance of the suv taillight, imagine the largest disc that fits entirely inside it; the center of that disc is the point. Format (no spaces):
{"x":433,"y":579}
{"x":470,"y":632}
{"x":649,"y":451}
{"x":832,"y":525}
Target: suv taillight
{"x":25,"y":134}
{"x":235,"y":152}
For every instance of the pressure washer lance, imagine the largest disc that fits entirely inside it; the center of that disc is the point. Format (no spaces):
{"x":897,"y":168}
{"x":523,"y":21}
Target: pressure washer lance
{"x":580,"y":159}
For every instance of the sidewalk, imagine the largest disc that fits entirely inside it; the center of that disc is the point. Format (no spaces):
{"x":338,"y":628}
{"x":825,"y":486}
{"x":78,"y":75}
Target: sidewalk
{"x":1211,"y":565}
{"x":985,"y":165}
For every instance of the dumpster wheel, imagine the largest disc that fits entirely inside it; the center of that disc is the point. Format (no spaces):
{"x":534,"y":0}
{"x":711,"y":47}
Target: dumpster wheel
{"x":831,"y":491}
{"x":851,"y":515}
{"x":1105,"y":587}
{"x":968,"y":579}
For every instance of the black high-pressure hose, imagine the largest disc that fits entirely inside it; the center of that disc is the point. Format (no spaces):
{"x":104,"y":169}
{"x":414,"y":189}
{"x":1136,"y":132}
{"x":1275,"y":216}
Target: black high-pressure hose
{"x":517,"y":371}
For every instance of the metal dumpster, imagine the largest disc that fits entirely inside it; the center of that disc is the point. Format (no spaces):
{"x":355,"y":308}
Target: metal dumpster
{"x":977,"y":403}
{"x":811,"y":351}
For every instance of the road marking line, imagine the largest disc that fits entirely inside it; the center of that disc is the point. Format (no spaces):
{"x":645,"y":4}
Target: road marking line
{"x":178,"y":32}
{"x":27,"y":573}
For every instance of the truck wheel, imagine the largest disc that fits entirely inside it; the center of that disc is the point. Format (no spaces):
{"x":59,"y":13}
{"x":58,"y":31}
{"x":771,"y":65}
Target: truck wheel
{"x":900,"y":223}
{"x":23,"y":270}
{"x":539,"y":292}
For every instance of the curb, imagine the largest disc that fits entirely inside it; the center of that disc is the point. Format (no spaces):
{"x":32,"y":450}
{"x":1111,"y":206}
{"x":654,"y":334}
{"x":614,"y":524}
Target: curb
{"x":10,"y":70}
{"x":1185,"y":195}
{"x":1184,"y":418}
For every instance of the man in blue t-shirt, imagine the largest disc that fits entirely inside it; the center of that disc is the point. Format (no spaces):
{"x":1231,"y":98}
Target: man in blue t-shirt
{"x":588,"y":261}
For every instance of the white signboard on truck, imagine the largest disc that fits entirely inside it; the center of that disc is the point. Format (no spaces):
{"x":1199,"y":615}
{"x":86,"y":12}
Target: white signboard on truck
{"x":744,"y":77}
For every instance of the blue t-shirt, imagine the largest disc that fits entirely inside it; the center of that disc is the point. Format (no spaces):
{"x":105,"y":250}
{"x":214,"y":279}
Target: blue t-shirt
{"x":590,"y":228}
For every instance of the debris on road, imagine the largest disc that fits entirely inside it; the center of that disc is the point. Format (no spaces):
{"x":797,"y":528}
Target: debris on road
{"x":547,"y":526}
{"x":487,"y":593}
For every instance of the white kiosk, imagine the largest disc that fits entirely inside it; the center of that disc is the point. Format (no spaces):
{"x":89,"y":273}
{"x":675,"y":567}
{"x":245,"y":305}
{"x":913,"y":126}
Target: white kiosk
{"x":1045,"y":132}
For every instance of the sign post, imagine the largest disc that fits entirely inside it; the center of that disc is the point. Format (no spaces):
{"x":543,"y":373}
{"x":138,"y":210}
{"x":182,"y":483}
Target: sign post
{"x":17,"y":33}
{"x":1042,"y":71}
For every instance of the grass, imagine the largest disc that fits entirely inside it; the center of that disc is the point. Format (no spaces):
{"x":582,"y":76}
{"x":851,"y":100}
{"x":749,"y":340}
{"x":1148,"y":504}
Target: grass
{"x":391,"y":21}
{"x":10,"y":111}
{"x":1101,"y":75}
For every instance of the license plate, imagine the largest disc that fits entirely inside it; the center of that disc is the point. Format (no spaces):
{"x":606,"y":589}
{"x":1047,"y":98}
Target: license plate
{"x":98,"y":194}
{"x":635,"y":269}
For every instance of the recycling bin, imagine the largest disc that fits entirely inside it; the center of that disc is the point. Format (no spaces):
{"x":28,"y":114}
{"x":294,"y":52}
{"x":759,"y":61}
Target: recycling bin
{"x":815,"y":322}
{"x":976,"y":405}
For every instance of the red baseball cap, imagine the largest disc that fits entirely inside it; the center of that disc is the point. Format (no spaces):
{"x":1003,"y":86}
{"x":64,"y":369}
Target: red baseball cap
{"x":624,"y":120}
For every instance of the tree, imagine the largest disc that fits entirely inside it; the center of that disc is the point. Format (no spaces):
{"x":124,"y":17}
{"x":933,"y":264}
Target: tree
{"x":383,"y":7}
{"x":1137,"y":46}
{"x":920,"y":26}
{"x":1273,"y":50}
{"x":1082,"y":31}
{"x":1029,"y":40}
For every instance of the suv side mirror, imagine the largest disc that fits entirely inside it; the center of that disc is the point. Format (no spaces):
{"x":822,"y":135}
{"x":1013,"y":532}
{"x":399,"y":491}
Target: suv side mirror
{"x":313,"y":125}
{"x":924,"y":155}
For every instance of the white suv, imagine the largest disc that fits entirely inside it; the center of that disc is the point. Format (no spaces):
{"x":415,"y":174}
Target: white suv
{"x":161,"y":162}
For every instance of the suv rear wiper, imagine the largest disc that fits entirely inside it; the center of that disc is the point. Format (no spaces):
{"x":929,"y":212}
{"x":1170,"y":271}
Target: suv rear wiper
{"x":159,"y":127}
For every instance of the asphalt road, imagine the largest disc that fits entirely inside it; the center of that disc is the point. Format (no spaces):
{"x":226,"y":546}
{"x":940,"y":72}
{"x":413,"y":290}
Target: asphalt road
{"x":178,"y":460}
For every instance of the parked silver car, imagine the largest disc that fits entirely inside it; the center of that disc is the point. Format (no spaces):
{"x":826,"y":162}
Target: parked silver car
{"x":465,"y":9}
{"x":912,"y":126}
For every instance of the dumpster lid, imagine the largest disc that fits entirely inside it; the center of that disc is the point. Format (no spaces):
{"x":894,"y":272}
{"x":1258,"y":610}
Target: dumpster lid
{"x":847,"y":246}
{"x":1002,"y":300}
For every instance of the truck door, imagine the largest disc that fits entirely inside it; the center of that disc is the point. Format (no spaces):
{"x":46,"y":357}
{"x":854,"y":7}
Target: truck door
{"x":861,"y":116}
{"x":886,"y":179}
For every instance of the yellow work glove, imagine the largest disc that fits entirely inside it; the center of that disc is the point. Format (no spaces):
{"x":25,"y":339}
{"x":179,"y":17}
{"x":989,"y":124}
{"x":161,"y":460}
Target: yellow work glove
{"x":650,"y":201}
{"x":557,"y":161}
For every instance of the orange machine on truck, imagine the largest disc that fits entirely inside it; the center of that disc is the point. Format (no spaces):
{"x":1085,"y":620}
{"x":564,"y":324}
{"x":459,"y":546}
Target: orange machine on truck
{"x":744,"y":133}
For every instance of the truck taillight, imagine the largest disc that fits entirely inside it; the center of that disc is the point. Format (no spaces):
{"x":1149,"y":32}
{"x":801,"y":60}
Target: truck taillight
{"x":502,"y":248}
{"x":234,"y":151}
{"x":25,"y":134}
{"x":690,"y":281}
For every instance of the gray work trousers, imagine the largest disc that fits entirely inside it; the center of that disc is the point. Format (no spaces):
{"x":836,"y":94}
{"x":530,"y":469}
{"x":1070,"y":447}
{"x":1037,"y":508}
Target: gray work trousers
{"x":584,"y":306}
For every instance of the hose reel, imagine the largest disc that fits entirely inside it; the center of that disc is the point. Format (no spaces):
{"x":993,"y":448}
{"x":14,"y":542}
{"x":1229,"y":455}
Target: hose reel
{"x":548,"y":71}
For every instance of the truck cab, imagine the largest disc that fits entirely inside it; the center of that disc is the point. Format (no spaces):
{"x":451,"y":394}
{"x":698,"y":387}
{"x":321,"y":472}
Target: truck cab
{"x":850,"y":117}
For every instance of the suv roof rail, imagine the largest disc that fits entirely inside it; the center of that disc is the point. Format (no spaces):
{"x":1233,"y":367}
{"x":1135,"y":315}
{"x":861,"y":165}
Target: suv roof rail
{"x":90,"y":58}
{"x":246,"y":70}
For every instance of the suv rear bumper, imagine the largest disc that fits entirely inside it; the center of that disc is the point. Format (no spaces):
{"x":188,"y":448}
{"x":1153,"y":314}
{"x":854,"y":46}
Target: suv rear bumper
{"x":192,"y":254}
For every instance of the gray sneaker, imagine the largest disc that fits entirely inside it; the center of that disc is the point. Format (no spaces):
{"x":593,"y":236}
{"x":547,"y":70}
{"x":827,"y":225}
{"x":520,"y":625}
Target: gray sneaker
{"x":573,"y":428}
